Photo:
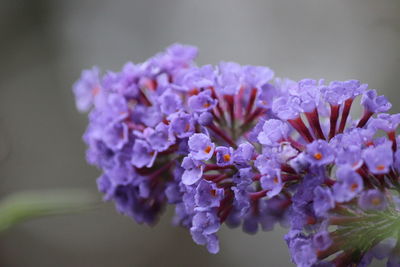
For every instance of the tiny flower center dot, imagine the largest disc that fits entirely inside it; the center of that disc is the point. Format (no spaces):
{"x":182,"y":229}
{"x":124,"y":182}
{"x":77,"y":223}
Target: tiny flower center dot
{"x":380,"y":167}
{"x":95,"y":91}
{"x":375,"y":201}
{"x":227,"y":157}
{"x":276,"y":180}
{"x":206,"y":105}
{"x":213,"y":192}
{"x":207,"y":149}
{"x":187,"y":127}
{"x":318,"y":156}
{"x":353,"y":187}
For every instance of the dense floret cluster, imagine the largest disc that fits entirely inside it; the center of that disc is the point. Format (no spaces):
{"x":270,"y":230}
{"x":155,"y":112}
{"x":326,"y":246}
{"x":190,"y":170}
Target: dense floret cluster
{"x":233,"y":144}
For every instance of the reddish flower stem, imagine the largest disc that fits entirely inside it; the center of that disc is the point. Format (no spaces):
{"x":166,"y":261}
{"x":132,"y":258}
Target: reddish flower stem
{"x":333,"y":120}
{"x":345,"y":114}
{"x":301,"y":128}
{"x":364,"y":119}
{"x":252,"y":99}
{"x":313,"y":119}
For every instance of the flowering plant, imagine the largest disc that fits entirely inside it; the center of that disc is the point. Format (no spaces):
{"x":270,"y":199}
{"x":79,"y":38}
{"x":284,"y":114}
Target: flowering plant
{"x":232,"y":144}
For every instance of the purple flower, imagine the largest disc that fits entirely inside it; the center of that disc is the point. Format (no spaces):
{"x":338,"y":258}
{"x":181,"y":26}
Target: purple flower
{"x":349,"y":184}
{"x":170,"y":102}
{"x":224,"y":155}
{"x":349,"y":155}
{"x":202,"y":102}
{"x":287,"y":108}
{"x":302,"y":251}
{"x":385,"y":122}
{"x":372,"y":200}
{"x":242,"y":179}
{"x":87,"y":88}
{"x":257,"y":76}
{"x":208,"y":195}
{"x":230,"y":77}
{"x":374,"y":103}
{"x":201,"y":147}
{"x":193,"y":171}
{"x":274,"y":131}
{"x":205,"y":118}
{"x":323,"y":201}
{"x":159,"y":138}
{"x":319,"y":153}
{"x":272,"y":182}
{"x":243,"y":154}
{"x":115,"y":135}
{"x":322,"y":240}
{"x":142,"y":154}
{"x":379,"y":158}
{"x":204,"y":226}
{"x":182,"y":124}
{"x":309,"y":94}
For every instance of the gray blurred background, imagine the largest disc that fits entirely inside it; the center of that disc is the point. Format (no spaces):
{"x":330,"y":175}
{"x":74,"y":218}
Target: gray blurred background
{"x":45,"y":44}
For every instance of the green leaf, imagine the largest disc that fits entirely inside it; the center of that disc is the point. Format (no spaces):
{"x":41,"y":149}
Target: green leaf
{"x":22,"y":206}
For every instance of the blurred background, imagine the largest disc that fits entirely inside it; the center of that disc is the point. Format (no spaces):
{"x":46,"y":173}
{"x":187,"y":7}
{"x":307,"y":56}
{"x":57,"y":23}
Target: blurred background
{"x":44,"y":46}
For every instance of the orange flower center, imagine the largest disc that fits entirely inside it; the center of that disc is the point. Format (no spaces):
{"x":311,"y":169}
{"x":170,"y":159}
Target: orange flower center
{"x":227,"y":157}
{"x":187,"y":127}
{"x":206,"y":105}
{"x":95,"y":91}
{"x":207,"y":149}
{"x":276,"y":180}
{"x":213,"y":192}
{"x":353,"y":187}
{"x":318,"y":156}
{"x":376,"y":201}
{"x":380,"y":167}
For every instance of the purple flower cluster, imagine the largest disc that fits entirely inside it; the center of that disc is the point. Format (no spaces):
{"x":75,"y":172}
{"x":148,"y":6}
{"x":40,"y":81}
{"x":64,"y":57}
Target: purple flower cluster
{"x":232,"y":144}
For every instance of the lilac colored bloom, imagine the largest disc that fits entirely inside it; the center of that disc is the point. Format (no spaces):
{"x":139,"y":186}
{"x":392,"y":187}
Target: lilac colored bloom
{"x":148,"y":133}
{"x":149,"y":116}
{"x":243,"y":154}
{"x":115,"y":136}
{"x":322,"y":240}
{"x":208,"y":195}
{"x":230,"y":78}
{"x":193,"y":171}
{"x":224,"y":155}
{"x":272,"y":182}
{"x":202,"y":102}
{"x":287,"y":108}
{"x":205,"y":118}
{"x":257,"y":76}
{"x":309,"y":94}
{"x":201,"y":147}
{"x":243,"y":179}
{"x":182,"y":124}
{"x":385,"y":122}
{"x":142,"y":154}
{"x":323,"y":200}
{"x":372,"y":200}
{"x":374,"y":103}
{"x":160,"y":138}
{"x":194,"y":78}
{"x":170,"y":102}
{"x":302,"y":252}
{"x":349,"y":184}
{"x":319,"y":153}
{"x":274,"y":131}
{"x":87,"y":89}
{"x":205,"y":225}
{"x":349,"y":155}
{"x":379,"y":158}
